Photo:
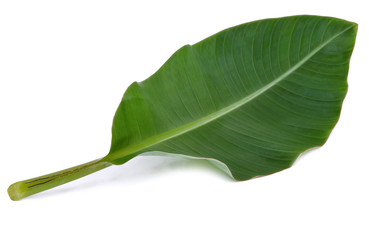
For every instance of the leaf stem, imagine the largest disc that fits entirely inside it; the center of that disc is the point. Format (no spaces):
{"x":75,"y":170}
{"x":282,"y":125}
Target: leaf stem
{"x":31,"y":186}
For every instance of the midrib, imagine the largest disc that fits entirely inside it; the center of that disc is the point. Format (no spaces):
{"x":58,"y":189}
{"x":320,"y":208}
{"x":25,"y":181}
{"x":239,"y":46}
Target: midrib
{"x":131,"y":150}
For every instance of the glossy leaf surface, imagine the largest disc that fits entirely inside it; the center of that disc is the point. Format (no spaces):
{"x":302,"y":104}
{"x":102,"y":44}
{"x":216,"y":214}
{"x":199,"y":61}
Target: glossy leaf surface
{"x":254,"y":96}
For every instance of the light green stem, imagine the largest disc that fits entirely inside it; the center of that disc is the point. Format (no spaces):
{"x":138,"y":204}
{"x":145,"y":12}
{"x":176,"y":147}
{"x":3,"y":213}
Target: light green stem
{"x":31,"y":186}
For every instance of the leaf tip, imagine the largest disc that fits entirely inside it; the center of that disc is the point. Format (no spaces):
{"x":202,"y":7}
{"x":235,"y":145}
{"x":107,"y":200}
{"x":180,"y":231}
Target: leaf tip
{"x":354,"y":25}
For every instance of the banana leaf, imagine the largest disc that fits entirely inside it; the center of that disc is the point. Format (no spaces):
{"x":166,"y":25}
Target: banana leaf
{"x":254,"y":97}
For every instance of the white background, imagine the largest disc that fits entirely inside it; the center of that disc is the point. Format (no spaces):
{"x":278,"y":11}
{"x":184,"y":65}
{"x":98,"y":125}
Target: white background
{"x":64,"y":66}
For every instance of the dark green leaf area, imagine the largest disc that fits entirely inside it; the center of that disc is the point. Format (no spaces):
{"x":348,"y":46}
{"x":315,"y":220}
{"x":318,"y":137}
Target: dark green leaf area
{"x":254,"y":96}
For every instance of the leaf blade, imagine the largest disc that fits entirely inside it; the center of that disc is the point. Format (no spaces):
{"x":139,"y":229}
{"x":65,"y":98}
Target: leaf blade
{"x":202,"y":91}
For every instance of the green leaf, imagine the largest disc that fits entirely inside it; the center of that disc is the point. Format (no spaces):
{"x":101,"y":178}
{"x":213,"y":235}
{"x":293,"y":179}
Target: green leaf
{"x":253,"y":97}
